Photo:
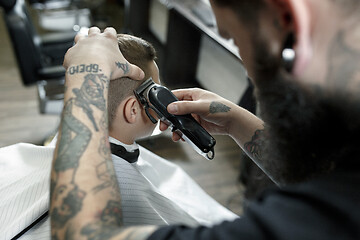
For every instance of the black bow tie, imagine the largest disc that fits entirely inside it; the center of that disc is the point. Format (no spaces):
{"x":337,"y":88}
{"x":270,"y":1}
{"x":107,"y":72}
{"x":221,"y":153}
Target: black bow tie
{"x":120,"y":151}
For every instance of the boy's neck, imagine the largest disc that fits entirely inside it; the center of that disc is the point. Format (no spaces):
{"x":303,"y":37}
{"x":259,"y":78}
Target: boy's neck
{"x":123,"y":137}
{"x":118,"y":142}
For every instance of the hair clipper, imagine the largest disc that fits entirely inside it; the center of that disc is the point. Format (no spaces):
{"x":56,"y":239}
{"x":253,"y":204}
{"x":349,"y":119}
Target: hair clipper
{"x":156,"y":97}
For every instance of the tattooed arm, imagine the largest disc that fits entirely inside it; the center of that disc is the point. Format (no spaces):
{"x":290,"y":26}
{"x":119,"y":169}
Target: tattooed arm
{"x":85,"y":199}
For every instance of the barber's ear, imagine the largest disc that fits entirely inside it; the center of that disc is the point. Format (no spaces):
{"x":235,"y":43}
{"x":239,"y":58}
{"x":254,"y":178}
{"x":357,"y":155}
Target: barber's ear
{"x":132,"y":110}
{"x":295,"y":18}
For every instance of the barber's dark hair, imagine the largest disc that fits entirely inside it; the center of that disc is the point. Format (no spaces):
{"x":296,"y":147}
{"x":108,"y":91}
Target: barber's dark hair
{"x":247,"y":10}
{"x":139,"y":52}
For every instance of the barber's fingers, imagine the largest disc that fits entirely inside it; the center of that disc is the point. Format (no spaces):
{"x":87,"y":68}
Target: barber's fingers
{"x":175,"y":137}
{"x":186,"y":94}
{"x":187,"y":103}
{"x":136,"y":73}
{"x":163,"y":126}
{"x":93,"y":31}
{"x":79,"y":37}
{"x":110,"y":31}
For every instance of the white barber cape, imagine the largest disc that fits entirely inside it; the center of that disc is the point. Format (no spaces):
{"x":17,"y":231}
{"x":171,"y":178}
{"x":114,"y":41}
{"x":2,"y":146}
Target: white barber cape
{"x":154,"y":191}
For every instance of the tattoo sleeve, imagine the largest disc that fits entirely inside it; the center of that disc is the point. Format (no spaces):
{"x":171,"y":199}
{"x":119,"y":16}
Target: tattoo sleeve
{"x":85,"y":197}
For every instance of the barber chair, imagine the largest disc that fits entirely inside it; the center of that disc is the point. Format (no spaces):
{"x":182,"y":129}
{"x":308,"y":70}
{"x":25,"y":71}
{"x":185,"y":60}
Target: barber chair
{"x":39,"y":58}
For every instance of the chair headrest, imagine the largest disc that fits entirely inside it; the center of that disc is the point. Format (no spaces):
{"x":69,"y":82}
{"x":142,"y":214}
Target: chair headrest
{"x":7,"y":4}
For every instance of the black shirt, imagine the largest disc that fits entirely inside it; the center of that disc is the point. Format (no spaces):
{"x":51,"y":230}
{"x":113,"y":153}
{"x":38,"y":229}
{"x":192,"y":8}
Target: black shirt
{"x":327,"y":208}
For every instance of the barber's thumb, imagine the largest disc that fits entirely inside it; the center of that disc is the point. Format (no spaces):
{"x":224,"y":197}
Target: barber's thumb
{"x":173,"y":108}
{"x":135,"y":72}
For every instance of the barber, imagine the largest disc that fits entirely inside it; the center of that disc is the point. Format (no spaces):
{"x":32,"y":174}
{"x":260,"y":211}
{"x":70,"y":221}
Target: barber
{"x":303,"y":56}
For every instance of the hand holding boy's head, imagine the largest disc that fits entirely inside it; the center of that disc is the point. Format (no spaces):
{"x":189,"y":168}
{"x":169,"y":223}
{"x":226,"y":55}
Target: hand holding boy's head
{"x":100,"y":48}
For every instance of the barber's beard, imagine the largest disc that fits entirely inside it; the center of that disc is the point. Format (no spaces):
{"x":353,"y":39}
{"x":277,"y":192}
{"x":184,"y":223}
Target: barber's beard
{"x":308,"y":132}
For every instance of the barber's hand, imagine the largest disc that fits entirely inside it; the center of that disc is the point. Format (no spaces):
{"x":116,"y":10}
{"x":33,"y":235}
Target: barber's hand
{"x":102,"y":49}
{"x":210,"y":110}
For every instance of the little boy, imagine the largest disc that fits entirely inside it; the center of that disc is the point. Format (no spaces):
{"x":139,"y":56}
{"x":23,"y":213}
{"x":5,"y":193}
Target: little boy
{"x":153,"y":190}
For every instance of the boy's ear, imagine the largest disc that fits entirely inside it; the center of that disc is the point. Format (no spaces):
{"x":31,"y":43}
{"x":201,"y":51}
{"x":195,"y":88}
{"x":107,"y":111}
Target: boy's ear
{"x":132,"y":109}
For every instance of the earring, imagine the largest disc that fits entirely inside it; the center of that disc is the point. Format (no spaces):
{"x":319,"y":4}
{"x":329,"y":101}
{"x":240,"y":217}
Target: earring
{"x":288,"y":54}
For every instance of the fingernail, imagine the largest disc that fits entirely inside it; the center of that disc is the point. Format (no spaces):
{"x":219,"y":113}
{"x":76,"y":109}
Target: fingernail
{"x":172,"y":108}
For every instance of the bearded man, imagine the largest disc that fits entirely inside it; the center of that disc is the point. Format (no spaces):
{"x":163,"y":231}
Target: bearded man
{"x":303,"y":57}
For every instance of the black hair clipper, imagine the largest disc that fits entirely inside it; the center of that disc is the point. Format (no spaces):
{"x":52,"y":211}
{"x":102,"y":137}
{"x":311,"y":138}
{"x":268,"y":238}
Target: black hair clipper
{"x":156,"y":97}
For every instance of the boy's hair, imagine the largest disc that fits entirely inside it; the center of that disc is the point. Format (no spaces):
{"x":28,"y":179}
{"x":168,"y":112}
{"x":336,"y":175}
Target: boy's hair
{"x":139,"y":52}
